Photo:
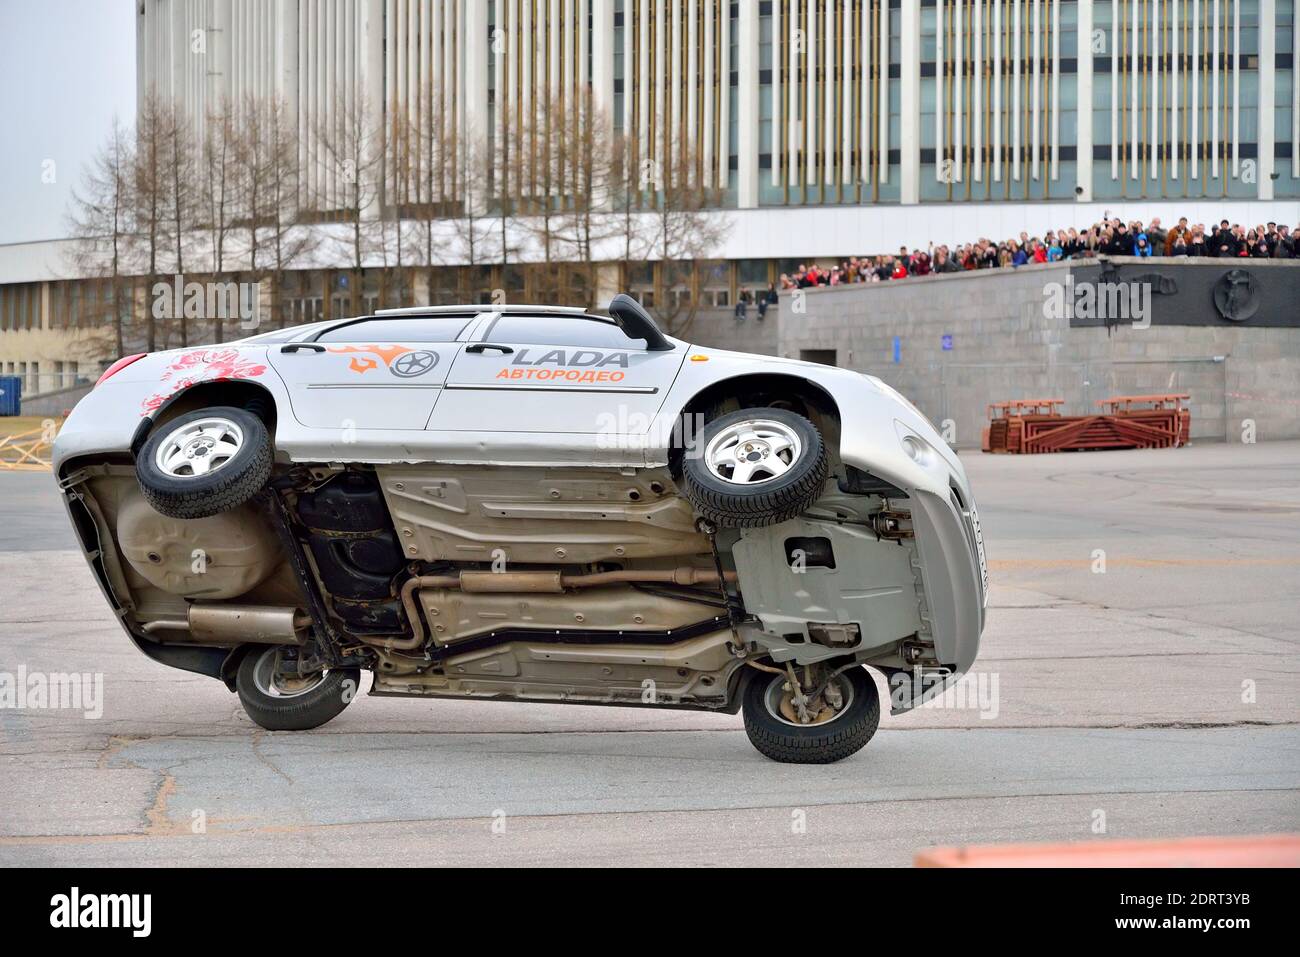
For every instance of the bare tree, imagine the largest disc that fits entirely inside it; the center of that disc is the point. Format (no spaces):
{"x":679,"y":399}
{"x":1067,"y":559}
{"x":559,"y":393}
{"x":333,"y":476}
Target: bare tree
{"x":687,"y":225}
{"x":265,"y":173}
{"x":101,"y":223}
{"x":349,"y":163}
{"x":592,"y":161}
{"x":510,"y":167}
{"x":475,"y":236}
{"x":628,"y":227}
{"x":180,"y":196}
{"x":401,"y":147}
{"x":220,"y":173}
{"x":151,"y":186}
{"x":544,"y":199}
{"x":283,"y":239}
{"x":251,"y":171}
{"x":453,"y":182}
{"x":431,"y":175}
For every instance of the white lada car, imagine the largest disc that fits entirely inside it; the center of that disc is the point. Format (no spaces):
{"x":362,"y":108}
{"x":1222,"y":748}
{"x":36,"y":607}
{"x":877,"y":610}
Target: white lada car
{"x":529,"y":504}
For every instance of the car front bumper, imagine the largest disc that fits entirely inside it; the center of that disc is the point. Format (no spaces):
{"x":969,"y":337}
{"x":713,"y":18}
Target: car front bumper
{"x":945,"y":521}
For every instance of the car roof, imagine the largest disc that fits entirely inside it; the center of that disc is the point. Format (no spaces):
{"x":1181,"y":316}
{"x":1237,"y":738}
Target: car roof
{"x":287,"y":334}
{"x":505,"y":309}
{"x":313,"y":330}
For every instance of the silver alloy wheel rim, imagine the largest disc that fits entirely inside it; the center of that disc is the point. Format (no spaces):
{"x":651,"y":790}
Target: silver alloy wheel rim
{"x":267,"y":679}
{"x":753,"y":452}
{"x":199,"y":448}
{"x":776,"y":691}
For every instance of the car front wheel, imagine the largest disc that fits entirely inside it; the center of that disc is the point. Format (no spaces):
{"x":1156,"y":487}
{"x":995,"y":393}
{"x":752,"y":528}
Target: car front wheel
{"x":204,"y":463}
{"x":755,"y":467}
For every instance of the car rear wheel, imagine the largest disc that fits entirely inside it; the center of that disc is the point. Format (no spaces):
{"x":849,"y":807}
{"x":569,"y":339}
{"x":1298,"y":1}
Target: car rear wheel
{"x":755,"y":467}
{"x":282,"y":702}
{"x":204,"y":463}
{"x":837,"y":718}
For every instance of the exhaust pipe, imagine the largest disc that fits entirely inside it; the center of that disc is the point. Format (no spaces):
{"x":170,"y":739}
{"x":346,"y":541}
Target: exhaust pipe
{"x":532,"y":582}
{"x":238,"y":624}
{"x":247,"y":623}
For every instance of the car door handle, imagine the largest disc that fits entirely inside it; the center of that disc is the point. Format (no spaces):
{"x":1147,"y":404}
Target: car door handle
{"x":481,"y":347}
{"x":300,"y":346}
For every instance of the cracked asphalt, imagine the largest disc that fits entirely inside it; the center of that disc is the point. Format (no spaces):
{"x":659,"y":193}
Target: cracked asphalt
{"x":1142,"y":655}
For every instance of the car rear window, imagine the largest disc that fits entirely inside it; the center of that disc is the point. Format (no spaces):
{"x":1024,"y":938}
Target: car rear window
{"x":562,"y":331}
{"x":413,"y":329}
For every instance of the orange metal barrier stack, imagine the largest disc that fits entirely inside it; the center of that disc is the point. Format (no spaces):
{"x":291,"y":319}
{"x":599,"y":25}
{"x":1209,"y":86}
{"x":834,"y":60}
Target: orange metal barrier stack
{"x":1130,"y":422}
{"x":1008,"y":421}
{"x":1164,"y":413}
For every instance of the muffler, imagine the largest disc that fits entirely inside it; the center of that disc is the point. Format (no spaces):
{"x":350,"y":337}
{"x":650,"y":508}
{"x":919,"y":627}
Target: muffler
{"x":255,"y":624}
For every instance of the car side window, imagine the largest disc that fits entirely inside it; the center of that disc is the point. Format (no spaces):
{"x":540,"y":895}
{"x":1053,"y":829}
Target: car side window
{"x":413,"y":329}
{"x":562,"y":331}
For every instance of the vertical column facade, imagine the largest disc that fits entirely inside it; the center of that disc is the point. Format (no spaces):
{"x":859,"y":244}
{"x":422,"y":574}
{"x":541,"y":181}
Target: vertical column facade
{"x":783,"y":102}
{"x":747,"y":126}
{"x":909,"y":113}
{"x":1267,"y":79}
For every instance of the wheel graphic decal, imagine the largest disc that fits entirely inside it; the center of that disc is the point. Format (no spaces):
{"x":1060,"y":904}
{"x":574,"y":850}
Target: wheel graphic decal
{"x":414,"y":364}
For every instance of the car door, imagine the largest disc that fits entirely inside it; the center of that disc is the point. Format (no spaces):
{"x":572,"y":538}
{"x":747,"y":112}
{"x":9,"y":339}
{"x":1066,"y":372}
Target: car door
{"x":555,"y":373}
{"x":383,"y":372}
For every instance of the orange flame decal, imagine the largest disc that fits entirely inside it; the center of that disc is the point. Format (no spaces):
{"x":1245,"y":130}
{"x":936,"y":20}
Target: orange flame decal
{"x":359,"y":365}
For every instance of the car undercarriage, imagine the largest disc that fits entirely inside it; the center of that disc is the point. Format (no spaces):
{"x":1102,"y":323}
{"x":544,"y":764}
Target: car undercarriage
{"x":561,"y":585}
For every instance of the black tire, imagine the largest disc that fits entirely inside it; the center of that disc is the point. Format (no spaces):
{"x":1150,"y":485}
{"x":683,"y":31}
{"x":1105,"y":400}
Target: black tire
{"x":765,"y":501}
{"x":231,"y":483}
{"x":845,"y":734}
{"x":300,"y":711}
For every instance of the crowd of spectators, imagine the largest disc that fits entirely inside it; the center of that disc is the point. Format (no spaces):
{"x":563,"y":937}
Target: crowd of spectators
{"x":1110,"y":237}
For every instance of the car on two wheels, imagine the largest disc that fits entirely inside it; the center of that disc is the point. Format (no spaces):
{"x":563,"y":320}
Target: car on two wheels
{"x":531,"y":504}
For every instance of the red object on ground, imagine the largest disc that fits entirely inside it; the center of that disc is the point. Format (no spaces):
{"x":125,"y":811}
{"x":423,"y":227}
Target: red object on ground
{"x":1269,"y":850}
{"x":1007,"y":421}
{"x":1163,"y":409}
{"x":1037,"y":425}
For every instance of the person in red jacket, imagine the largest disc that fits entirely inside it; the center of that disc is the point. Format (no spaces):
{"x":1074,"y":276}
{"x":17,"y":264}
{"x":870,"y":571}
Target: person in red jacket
{"x":900,"y":270}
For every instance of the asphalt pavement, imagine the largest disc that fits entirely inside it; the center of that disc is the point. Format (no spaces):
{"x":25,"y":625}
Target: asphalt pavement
{"x":1140,"y":669}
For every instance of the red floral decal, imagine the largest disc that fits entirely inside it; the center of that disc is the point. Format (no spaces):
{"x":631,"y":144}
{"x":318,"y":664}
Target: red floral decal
{"x":205,"y":365}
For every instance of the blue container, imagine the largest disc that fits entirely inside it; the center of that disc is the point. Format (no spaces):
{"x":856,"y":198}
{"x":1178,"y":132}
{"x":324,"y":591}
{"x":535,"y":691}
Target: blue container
{"x":11,"y":395}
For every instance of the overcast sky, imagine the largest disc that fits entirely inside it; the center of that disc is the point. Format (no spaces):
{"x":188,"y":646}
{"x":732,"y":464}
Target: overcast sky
{"x":66,"y":67}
